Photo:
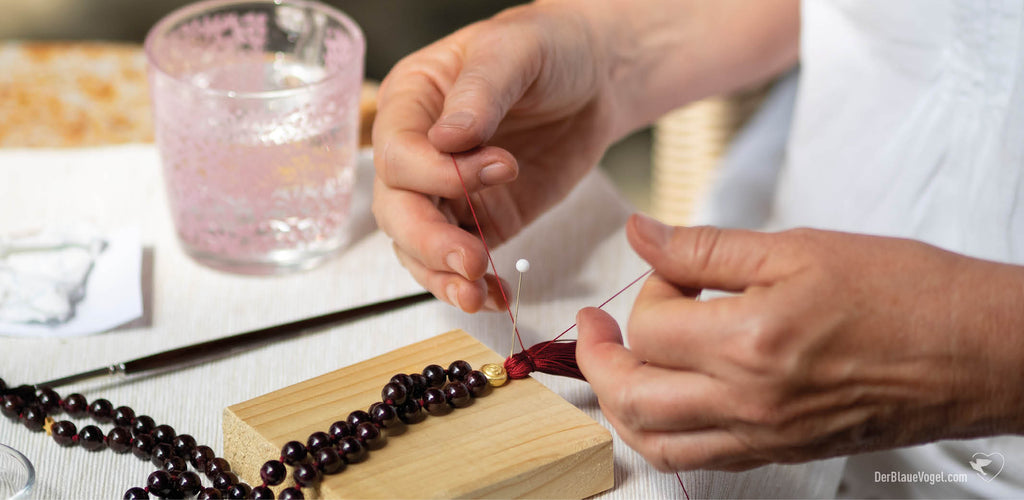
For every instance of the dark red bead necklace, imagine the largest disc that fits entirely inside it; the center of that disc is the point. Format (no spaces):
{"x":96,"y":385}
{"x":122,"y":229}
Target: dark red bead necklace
{"x":405,"y":400}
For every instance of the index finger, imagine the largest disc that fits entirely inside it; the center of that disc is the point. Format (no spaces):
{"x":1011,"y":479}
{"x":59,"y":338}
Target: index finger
{"x":404,"y":157}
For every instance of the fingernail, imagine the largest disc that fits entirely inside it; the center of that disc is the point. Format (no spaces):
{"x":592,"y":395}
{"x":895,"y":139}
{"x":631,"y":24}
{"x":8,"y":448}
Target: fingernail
{"x":458,"y":119}
{"x":455,"y":263}
{"x":452,"y":290}
{"x":652,"y":231}
{"x":497,"y":173}
{"x":491,"y":305}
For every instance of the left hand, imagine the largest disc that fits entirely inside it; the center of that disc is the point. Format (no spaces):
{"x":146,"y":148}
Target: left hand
{"x":836,"y":343}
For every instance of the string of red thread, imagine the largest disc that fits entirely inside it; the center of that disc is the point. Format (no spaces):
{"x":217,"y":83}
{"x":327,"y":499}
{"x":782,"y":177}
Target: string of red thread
{"x":631,"y":283}
{"x":487,"y":250}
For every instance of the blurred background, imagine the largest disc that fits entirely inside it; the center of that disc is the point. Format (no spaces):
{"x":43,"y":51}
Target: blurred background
{"x":393,"y":28}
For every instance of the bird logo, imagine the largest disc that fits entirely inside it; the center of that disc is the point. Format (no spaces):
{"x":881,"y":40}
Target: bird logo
{"x":994,"y":462}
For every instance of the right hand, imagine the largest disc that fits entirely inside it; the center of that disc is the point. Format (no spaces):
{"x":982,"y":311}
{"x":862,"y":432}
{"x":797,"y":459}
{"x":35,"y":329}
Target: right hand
{"x":523,"y":101}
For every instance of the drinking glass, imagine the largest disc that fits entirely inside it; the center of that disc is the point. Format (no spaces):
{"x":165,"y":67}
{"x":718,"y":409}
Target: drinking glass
{"x":256,"y":114}
{"x":16,"y":474}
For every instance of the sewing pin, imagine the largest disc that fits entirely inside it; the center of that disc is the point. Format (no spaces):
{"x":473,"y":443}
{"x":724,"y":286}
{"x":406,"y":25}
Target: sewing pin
{"x":522,"y":265}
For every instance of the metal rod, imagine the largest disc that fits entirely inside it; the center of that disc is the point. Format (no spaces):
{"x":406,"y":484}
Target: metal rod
{"x":226,"y":346}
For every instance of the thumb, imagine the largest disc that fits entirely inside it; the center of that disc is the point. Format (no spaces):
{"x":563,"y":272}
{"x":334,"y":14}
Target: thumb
{"x":497,"y":70}
{"x":703,"y":256}
{"x":599,"y":344}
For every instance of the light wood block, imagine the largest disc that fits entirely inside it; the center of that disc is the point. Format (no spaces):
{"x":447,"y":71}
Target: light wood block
{"x":522,"y":440}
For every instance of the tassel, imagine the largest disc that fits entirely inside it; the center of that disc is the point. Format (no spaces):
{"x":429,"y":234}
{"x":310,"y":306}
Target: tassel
{"x":554,"y":357}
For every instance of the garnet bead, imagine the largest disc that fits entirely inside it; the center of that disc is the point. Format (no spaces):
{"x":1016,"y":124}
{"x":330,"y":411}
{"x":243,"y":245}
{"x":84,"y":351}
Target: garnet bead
{"x":394,"y":393}
{"x":411,"y":412}
{"x":458,"y":394}
{"x":291,"y":494}
{"x":123,"y":416}
{"x":101,"y":410}
{"x":175,"y":465}
{"x":160,"y":483}
{"x":341,"y":429}
{"x":48,"y":399}
{"x":458,"y":370}
{"x":200,"y":456}
{"x":328,"y":461}
{"x":435,"y":402}
{"x":383,"y":415}
{"x":75,"y":405}
{"x":239,"y":491}
{"x":27,"y":393}
{"x":163,"y":434}
{"x":477,"y":383}
{"x":306,"y":475}
{"x":224,"y":480}
{"x":273,"y":472}
{"x":161,"y":452}
{"x":119,"y":440}
{"x":142,"y":446}
{"x":371,"y":435}
{"x":183,"y":445}
{"x":215,"y":466}
{"x":419,"y":384}
{"x":436,"y":376}
{"x":189,"y":483}
{"x":318,"y":440}
{"x":64,"y":433}
{"x":210,"y":494}
{"x":357,"y":417}
{"x":90,"y":438}
{"x":351,"y":450}
{"x":143,"y":424}
{"x":33,"y":418}
{"x":293,"y":452}
{"x":262,"y":493}
{"x":136,"y":493}
{"x":403,"y":379}
{"x":12,"y":406}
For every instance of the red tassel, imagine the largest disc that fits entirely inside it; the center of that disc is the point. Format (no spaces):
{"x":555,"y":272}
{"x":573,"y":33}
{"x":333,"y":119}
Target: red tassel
{"x":554,"y":357}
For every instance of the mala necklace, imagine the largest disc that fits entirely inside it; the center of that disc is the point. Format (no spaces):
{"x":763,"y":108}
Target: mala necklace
{"x":405,"y":400}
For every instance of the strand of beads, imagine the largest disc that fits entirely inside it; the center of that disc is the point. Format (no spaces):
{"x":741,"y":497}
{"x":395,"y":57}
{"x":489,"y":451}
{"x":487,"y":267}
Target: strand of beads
{"x":138,"y":434}
{"x":406,"y":399}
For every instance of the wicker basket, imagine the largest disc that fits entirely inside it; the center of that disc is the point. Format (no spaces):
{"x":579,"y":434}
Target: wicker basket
{"x":688,"y":143}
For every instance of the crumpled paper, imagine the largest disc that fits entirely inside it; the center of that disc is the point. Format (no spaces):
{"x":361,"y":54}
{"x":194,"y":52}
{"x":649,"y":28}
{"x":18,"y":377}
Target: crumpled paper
{"x":68,"y":281}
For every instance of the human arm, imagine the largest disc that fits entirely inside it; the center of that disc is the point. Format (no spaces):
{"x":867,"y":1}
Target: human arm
{"x":530,"y":99}
{"x":836,"y":343}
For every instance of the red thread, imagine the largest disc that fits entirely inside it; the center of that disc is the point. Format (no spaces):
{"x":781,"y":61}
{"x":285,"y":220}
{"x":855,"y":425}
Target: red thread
{"x":681,"y":485}
{"x":487,"y":250}
{"x":559,"y":360}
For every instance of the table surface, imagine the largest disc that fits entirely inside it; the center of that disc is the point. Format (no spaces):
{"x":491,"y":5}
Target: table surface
{"x":575,"y":263}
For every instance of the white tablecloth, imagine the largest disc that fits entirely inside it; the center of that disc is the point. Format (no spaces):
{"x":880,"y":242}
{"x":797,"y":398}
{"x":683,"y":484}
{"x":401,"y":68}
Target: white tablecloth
{"x":578,"y":253}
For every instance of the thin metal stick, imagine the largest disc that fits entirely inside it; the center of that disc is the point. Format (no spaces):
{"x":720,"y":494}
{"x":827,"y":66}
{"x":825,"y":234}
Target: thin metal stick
{"x":515,"y":318}
{"x":226,"y":346}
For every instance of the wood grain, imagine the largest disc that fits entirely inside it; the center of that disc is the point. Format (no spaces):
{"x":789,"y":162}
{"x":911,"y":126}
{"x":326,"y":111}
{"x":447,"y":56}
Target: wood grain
{"x":522,"y":440}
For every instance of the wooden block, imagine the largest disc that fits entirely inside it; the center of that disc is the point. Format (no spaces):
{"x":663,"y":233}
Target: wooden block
{"x":522,"y":440}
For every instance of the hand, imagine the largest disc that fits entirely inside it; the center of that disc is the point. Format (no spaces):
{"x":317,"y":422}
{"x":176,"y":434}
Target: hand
{"x":835,"y":344}
{"x":522,"y":101}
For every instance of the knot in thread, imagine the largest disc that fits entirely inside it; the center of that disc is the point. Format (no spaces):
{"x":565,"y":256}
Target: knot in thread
{"x":520,"y":365}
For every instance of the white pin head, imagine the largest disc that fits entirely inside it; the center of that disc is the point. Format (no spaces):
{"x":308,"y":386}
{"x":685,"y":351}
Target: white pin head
{"x":522,"y":265}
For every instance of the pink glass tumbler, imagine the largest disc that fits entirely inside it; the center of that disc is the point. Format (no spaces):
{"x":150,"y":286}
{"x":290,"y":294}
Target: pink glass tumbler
{"x":256,"y":112}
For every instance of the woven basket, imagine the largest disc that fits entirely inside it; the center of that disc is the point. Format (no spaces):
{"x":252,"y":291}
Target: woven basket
{"x":688,"y":144}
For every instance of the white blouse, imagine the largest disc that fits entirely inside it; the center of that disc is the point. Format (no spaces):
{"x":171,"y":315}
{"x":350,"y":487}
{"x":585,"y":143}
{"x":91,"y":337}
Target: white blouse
{"x":909,"y":121}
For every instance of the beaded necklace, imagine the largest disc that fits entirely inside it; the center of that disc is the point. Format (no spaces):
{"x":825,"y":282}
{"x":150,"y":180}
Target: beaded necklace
{"x":406,"y":399}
